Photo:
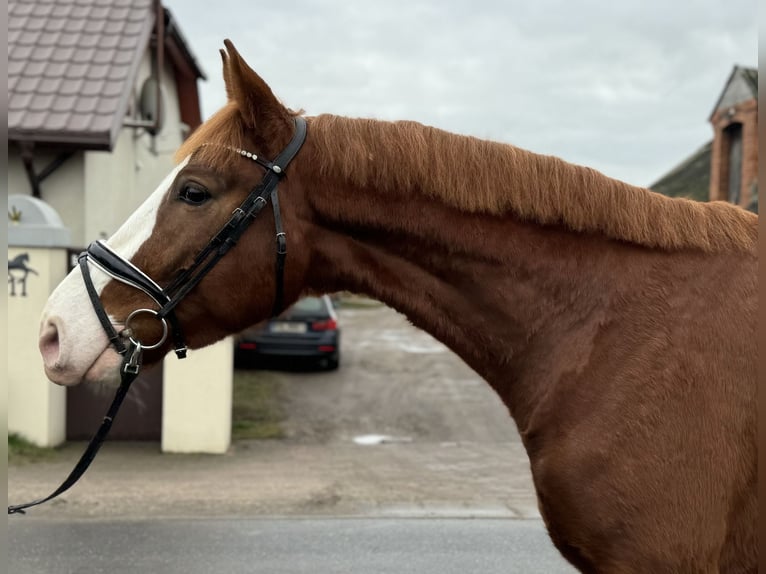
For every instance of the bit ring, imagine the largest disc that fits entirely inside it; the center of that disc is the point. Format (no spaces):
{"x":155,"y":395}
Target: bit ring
{"x":128,"y":332}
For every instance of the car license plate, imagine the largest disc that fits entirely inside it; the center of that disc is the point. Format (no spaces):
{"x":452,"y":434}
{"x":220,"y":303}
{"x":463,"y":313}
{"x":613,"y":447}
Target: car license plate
{"x":286,"y":327}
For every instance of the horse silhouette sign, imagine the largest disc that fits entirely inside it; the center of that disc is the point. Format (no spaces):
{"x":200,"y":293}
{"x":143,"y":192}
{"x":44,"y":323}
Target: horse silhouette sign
{"x":18,"y":271}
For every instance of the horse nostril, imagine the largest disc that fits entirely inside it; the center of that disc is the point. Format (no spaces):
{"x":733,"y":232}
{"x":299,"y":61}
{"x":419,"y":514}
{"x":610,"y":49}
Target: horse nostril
{"x":49,"y":344}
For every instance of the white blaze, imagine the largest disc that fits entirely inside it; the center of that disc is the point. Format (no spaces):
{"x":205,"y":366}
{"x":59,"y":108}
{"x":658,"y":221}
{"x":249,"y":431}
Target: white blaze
{"x":80,"y":335}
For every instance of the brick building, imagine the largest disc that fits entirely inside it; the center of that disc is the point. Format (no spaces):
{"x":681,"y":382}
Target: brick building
{"x":727,"y":167}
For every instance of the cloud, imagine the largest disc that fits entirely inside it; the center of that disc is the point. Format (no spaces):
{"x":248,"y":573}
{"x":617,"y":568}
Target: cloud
{"x":623,"y":87}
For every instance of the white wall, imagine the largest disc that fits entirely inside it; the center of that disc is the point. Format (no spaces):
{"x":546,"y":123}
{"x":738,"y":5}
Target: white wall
{"x":196,"y":404}
{"x":38,"y":408}
{"x":138,"y":163}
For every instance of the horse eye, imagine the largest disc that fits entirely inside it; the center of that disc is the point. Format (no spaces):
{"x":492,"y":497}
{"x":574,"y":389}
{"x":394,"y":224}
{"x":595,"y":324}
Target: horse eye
{"x":193,"y":195}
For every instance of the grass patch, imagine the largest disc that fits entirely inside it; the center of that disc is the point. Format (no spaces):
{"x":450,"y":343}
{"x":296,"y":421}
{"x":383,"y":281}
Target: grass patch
{"x":257,"y":412}
{"x":21,"y":451}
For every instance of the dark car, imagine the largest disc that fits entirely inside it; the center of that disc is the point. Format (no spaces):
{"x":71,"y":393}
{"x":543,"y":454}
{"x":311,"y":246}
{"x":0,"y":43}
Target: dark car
{"x":307,"y":330}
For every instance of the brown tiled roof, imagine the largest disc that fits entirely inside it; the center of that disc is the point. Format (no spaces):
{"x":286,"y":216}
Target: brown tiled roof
{"x":71,"y":66}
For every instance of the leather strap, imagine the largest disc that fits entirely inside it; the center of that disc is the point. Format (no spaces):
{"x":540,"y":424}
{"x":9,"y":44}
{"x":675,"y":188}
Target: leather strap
{"x":106,"y":324}
{"x":127,"y":378}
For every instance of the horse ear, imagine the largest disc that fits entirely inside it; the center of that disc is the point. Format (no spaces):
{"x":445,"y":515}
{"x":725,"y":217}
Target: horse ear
{"x":256,"y":102}
{"x":226,"y":75}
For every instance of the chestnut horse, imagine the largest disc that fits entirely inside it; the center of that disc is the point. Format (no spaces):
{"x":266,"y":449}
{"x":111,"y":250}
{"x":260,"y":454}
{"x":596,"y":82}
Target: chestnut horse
{"x":616,"y":324}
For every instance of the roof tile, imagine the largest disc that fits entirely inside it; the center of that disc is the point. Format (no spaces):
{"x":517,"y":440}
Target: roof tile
{"x":94,"y":26}
{"x":20,"y":8}
{"x":69,"y":39}
{"x":74,"y":25}
{"x":71,"y":87}
{"x":119,"y":13}
{"x":34,"y":68}
{"x":15,"y":67}
{"x":20,"y":102}
{"x":42,"y":54}
{"x":112,"y":89}
{"x":101,"y":123}
{"x":34,"y":120}
{"x":41,"y":102}
{"x":43,"y":9}
{"x":86,"y":104}
{"x":30,"y":38}
{"x":107,"y":106}
{"x":61,"y":11}
{"x":117,"y":72}
{"x":98,"y":72}
{"x":55,"y":25}
{"x":49,"y":85}
{"x":80,"y":11}
{"x":83,"y":55}
{"x":77,"y":70}
{"x":113,"y":26}
{"x":64,"y":103}
{"x":61,"y":54}
{"x":121,"y":58}
{"x":50,"y":39}
{"x":57,"y":121}
{"x":34,"y":24}
{"x":15,"y":117}
{"x":56,"y":69}
{"x":17,"y":22}
{"x":27,"y":85}
{"x":92,"y":87}
{"x":103,"y":56}
{"x":114,"y":42}
{"x":78,"y":122}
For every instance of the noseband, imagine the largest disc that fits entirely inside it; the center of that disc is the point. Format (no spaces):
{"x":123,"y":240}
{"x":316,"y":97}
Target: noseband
{"x":104,"y":258}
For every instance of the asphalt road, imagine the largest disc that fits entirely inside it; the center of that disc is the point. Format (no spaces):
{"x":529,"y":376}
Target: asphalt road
{"x":279,"y":545}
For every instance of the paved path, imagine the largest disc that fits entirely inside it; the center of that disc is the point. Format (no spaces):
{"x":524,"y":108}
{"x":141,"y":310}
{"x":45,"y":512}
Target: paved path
{"x":276,"y":546}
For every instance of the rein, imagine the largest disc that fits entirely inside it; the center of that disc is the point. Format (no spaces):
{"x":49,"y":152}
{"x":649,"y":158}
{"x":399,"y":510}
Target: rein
{"x":131,"y":349}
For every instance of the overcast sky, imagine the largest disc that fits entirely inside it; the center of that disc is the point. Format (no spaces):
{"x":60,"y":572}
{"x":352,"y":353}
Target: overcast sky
{"x":624,"y":87}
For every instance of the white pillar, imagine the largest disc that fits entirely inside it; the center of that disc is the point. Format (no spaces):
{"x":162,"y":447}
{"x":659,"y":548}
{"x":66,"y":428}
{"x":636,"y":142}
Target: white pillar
{"x":196,"y":402}
{"x":37,"y":407}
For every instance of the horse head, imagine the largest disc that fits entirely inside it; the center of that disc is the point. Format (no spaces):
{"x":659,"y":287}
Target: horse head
{"x":220,"y":166}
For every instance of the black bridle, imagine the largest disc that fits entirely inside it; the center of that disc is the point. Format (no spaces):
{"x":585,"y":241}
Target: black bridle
{"x":100,"y":255}
{"x":125,"y":342}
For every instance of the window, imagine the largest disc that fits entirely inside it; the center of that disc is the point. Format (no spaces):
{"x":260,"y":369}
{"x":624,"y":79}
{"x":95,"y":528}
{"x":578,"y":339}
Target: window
{"x":734,"y":139}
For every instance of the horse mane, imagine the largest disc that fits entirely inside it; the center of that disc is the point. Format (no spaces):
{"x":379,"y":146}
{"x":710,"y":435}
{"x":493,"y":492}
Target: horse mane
{"x":481,"y":176}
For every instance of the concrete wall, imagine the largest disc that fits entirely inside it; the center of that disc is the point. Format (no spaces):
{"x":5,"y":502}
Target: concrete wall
{"x":197,"y":392}
{"x":38,"y":408}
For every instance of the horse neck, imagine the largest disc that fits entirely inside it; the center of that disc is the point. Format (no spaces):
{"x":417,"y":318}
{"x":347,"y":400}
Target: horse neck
{"x":501,"y":293}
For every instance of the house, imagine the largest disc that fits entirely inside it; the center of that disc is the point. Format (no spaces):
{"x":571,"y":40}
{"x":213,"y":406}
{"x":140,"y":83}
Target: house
{"x":726,"y":168}
{"x":100,"y":95}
